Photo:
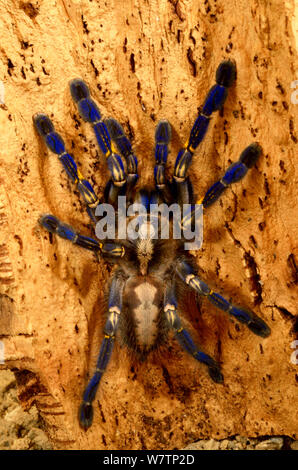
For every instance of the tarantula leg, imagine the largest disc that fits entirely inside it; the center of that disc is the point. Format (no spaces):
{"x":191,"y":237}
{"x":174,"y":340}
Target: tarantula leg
{"x":115,"y":306}
{"x":235,"y":172}
{"x":109,"y":249}
{"x":225,"y":77}
{"x":55,"y":143}
{"x":217,"y":95}
{"x":184,"y":338}
{"x":90,"y":113}
{"x":162,"y":139}
{"x":124,"y":147}
{"x":53,"y":225}
{"x":250,"y":319}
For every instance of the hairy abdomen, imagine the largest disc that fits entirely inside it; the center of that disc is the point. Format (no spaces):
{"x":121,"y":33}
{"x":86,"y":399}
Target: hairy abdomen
{"x":142,"y":314}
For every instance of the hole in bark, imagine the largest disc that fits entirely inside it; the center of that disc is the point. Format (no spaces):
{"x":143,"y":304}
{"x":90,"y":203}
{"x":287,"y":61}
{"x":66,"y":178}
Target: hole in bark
{"x":293,"y":267}
{"x":30,"y":10}
{"x":192,"y":61}
{"x":262,"y":225}
{"x":132,"y":63}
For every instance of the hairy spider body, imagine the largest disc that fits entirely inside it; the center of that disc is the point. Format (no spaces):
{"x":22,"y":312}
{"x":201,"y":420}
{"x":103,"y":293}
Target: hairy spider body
{"x":151,"y":273}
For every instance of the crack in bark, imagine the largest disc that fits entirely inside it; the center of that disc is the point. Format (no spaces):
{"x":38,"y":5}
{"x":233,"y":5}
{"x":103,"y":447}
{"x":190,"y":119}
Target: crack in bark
{"x":288,"y":316}
{"x":251,"y":265}
{"x":291,"y":261}
{"x":192,"y":61}
{"x":178,"y":9}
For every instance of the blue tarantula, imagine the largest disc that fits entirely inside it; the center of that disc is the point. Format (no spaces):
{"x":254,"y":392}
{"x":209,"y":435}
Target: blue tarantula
{"x":150,"y":272}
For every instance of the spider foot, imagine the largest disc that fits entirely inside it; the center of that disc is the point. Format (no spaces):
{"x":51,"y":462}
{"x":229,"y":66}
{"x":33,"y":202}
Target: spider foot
{"x":235,"y":172}
{"x":46,"y":130}
{"x":226,"y":73}
{"x":43,"y":124}
{"x":250,"y":155}
{"x":54,"y":225}
{"x":85,"y":415}
{"x":225,"y":77}
{"x":80,"y":93}
{"x":49,"y":222}
{"x":215,"y":374}
{"x":259,"y":327}
{"x":213,"y":366}
{"x":214,"y":101}
{"x":162,"y":136}
{"x":252,"y":321}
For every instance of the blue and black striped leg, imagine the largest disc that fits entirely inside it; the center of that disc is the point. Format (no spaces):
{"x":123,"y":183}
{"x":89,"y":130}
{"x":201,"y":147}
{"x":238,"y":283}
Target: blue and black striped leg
{"x":184,"y":338}
{"x":55,"y":143}
{"x":225,"y":77}
{"x":115,"y":306}
{"x":107,"y":249}
{"x":162,"y":139}
{"x":124,"y":147}
{"x":250,"y":319}
{"x":90,"y":113}
{"x":234,"y":173}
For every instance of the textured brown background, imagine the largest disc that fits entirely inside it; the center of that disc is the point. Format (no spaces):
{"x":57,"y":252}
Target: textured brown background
{"x":144,"y":61}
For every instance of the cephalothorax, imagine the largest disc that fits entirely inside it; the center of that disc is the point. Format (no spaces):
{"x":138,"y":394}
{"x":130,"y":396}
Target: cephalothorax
{"x":149,"y":273}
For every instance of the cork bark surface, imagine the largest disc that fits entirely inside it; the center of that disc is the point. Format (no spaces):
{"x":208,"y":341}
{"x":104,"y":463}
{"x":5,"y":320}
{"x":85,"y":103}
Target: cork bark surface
{"x":145,"y":61}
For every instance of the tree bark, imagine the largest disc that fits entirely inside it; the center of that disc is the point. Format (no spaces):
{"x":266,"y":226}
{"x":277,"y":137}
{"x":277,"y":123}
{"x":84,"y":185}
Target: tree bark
{"x":145,"y":61}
